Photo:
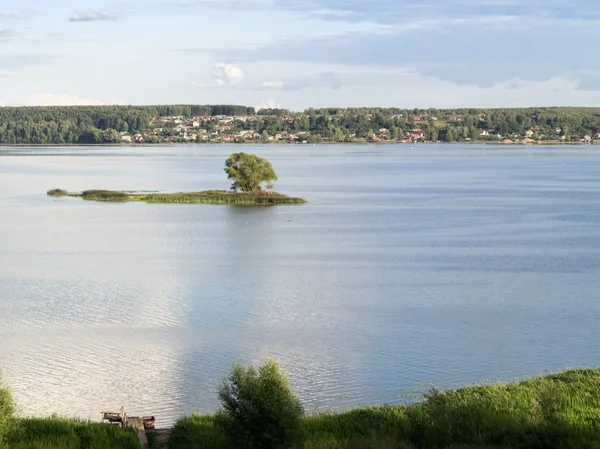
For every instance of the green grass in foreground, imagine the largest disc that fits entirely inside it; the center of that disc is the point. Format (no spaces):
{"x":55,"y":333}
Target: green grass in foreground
{"x":555,"y":411}
{"x":261,"y":198}
{"x":59,"y":433}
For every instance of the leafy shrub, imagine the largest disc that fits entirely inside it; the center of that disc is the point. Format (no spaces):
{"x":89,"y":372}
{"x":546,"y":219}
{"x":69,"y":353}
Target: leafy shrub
{"x":7,"y":410}
{"x":260,"y":410}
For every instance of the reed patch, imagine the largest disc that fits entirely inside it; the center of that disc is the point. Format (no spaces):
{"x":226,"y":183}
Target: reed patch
{"x":258,"y":198}
{"x":554,"y":411}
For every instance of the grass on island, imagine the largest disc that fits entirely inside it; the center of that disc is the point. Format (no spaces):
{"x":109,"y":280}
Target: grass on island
{"x":224,"y":197}
{"x":259,"y":198}
{"x":104,"y":195}
{"x":57,"y":192}
{"x":554,"y":411}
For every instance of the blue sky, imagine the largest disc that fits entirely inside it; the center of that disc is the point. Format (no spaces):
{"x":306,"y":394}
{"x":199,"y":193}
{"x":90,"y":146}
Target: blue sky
{"x":301,"y":53}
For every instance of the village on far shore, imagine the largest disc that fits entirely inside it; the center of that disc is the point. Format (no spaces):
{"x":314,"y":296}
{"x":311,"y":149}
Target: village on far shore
{"x":214,"y":124}
{"x":245,"y":129}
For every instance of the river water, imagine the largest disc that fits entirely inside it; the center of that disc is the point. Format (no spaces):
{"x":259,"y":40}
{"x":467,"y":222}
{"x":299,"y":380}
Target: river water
{"x":444,"y":265}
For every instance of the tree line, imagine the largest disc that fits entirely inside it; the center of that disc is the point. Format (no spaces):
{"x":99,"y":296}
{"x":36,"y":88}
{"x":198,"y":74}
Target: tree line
{"x":105,"y":124}
{"x":448,"y":125}
{"x":93,"y":124}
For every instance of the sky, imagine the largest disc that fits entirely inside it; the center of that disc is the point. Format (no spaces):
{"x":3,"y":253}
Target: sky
{"x":301,"y":53}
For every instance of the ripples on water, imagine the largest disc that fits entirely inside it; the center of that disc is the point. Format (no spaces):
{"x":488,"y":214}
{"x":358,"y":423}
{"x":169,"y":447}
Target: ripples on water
{"x":448,"y":265}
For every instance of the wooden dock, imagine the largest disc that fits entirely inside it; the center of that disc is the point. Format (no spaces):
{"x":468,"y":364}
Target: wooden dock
{"x":134,"y":422}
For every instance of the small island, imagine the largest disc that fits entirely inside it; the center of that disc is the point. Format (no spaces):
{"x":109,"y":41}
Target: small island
{"x":247,"y":172}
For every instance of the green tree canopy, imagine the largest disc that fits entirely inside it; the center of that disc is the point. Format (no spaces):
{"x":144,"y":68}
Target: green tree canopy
{"x":249,"y":171}
{"x":259,"y":409}
{"x":451,"y":134}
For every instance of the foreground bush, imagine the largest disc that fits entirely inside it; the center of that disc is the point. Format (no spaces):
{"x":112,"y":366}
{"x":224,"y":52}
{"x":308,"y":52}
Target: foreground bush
{"x":555,"y":411}
{"x":260,"y":410}
{"x":7,"y":410}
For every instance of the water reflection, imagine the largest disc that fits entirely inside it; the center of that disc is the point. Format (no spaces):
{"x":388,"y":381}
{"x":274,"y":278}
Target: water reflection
{"x":406,"y":267}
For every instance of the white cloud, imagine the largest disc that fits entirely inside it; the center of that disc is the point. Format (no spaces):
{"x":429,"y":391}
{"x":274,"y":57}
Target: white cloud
{"x":269,"y":104}
{"x":328,"y":79}
{"x":64,"y":100}
{"x":497,"y":40}
{"x":273,"y":84}
{"x":252,"y":5}
{"x":93,"y":16}
{"x":233,"y":77}
{"x":10,"y":13}
{"x":17,"y":13}
{"x":227,"y":74}
{"x":223,"y":75}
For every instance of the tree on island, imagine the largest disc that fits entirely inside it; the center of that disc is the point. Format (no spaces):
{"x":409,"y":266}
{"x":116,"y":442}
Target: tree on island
{"x":249,"y":171}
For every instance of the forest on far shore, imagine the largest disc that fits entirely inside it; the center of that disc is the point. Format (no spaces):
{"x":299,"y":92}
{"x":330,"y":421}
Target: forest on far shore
{"x":240,"y":124}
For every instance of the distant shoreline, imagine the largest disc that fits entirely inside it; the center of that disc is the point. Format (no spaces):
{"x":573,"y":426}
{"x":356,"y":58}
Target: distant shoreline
{"x":241,"y":124}
{"x":283,"y":143}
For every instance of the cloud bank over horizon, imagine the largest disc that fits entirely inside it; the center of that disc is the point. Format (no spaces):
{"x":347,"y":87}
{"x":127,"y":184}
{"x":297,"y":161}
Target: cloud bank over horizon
{"x":302,"y":53}
{"x":93,"y":16}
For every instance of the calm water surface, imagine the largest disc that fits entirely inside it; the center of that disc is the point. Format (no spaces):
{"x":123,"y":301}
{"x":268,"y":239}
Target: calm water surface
{"x":439,"y":264}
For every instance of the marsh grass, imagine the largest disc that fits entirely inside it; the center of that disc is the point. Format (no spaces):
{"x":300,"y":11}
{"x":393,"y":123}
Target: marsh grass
{"x":260,"y":198}
{"x":555,"y":411}
{"x":57,"y":433}
{"x":57,"y":192}
{"x":7,"y":410}
{"x":224,"y":197}
{"x":60,"y":433}
{"x":154,"y":440}
{"x":198,"y":431}
{"x":104,"y":195}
